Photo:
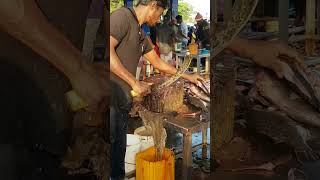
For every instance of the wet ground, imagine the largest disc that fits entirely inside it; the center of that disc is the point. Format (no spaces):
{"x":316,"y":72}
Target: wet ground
{"x":244,"y":150}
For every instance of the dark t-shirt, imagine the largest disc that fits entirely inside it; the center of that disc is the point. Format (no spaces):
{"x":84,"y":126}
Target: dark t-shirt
{"x":132,"y":45}
{"x":203,"y":33}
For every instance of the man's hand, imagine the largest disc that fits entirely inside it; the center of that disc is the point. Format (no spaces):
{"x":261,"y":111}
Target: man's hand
{"x":24,"y":21}
{"x":194,"y":78}
{"x":142,"y":88}
{"x":91,"y":84}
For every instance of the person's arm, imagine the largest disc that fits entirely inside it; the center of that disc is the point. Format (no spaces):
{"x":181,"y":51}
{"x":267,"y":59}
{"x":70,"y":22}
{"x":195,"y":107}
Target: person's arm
{"x":119,"y":28}
{"x":242,"y":47}
{"x":116,"y":66}
{"x":158,"y":63}
{"x":118,"y":69}
{"x":265,"y":53}
{"x":24,"y":21}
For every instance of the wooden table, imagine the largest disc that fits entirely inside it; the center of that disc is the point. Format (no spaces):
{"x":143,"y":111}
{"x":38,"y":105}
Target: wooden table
{"x":187,"y":126}
{"x":181,"y":55}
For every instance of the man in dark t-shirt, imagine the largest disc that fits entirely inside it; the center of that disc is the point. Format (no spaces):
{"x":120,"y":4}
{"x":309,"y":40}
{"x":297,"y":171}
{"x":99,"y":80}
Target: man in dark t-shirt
{"x":127,"y":44}
{"x":203,"y":31}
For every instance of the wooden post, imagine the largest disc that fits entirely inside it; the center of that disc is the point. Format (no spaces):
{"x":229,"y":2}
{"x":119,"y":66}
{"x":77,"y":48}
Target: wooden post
{"x":204,"y":142}
{"x":198,"y":65}
{"x":207,"y":65}
{"x":318,"y":17}
{"x":222,"y":108}
{"x":310,"y":27}
{"x":283,"y":8}
{"x":227,"y":10}
{"x":214,"y":11}
{"x":187,"y":157}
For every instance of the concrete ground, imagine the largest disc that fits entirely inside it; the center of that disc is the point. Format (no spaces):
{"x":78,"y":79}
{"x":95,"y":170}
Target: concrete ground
{"x":242,"y":151}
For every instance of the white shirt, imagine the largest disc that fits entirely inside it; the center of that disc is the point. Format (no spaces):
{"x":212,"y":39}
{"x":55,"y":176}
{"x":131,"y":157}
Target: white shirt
{"x":184,"y":29}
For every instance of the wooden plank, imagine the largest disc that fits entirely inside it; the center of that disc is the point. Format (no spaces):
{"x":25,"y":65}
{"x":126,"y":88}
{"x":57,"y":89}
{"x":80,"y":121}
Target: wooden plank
{"x":310,"y":27}
{"x":283,"y":20}
{"x":187,"y":157}
{"x":302,"y":38}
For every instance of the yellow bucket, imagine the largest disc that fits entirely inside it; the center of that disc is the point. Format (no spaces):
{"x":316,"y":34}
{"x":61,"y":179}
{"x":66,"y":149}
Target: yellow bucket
{"x":193,"y":49}
{"x":149,"y":169}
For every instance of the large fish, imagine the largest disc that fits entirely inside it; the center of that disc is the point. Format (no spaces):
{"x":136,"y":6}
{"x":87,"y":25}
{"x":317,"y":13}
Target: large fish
{"x":205,"y":106}
{"x":199,"y":92}
{"x":282,"y":129}
{"x":305,"y":81}
{"x":278,"y":93}
{"x":199,"y":96}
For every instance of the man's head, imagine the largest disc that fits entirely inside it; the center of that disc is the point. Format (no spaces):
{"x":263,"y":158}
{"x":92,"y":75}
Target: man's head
{"x":179,"y":19}
{"x":166,"y":19}
{"x":192,"y":29}
{"x":154,"y":9}
{"x":198,"y":18}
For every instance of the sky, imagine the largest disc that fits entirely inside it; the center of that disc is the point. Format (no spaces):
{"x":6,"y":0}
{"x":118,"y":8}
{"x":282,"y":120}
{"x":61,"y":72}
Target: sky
{"x":202,"y":6}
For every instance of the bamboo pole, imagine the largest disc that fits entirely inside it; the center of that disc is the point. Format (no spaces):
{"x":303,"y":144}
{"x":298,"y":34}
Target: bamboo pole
{"x":310,"y":27}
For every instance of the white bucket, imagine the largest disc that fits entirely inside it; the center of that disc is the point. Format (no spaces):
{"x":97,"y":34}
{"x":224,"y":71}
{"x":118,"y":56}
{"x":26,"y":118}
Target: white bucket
{"x":145,"y":137}
{"x":133,"y":147}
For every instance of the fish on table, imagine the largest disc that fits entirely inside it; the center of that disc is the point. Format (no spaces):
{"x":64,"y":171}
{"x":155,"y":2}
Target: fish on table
{"x":278,"y":93}
{"x":282,"y":129}
{"x":199,"y":96}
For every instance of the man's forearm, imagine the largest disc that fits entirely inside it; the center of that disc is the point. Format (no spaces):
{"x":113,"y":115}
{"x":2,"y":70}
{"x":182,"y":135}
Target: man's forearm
{"x":28,"y":24}
{"x":158,"y":63}
{"x":168,"y":69}
{"x":241,"y":47}
{"x":162,"y":65}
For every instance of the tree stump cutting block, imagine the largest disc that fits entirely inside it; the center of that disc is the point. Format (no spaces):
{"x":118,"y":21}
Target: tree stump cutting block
{"x":168,"y":99}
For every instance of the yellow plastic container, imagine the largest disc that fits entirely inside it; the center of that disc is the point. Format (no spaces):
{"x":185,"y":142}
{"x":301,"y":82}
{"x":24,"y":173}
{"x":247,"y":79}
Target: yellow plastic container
{"x":193,"y":49}
{"x":149,"y":169}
